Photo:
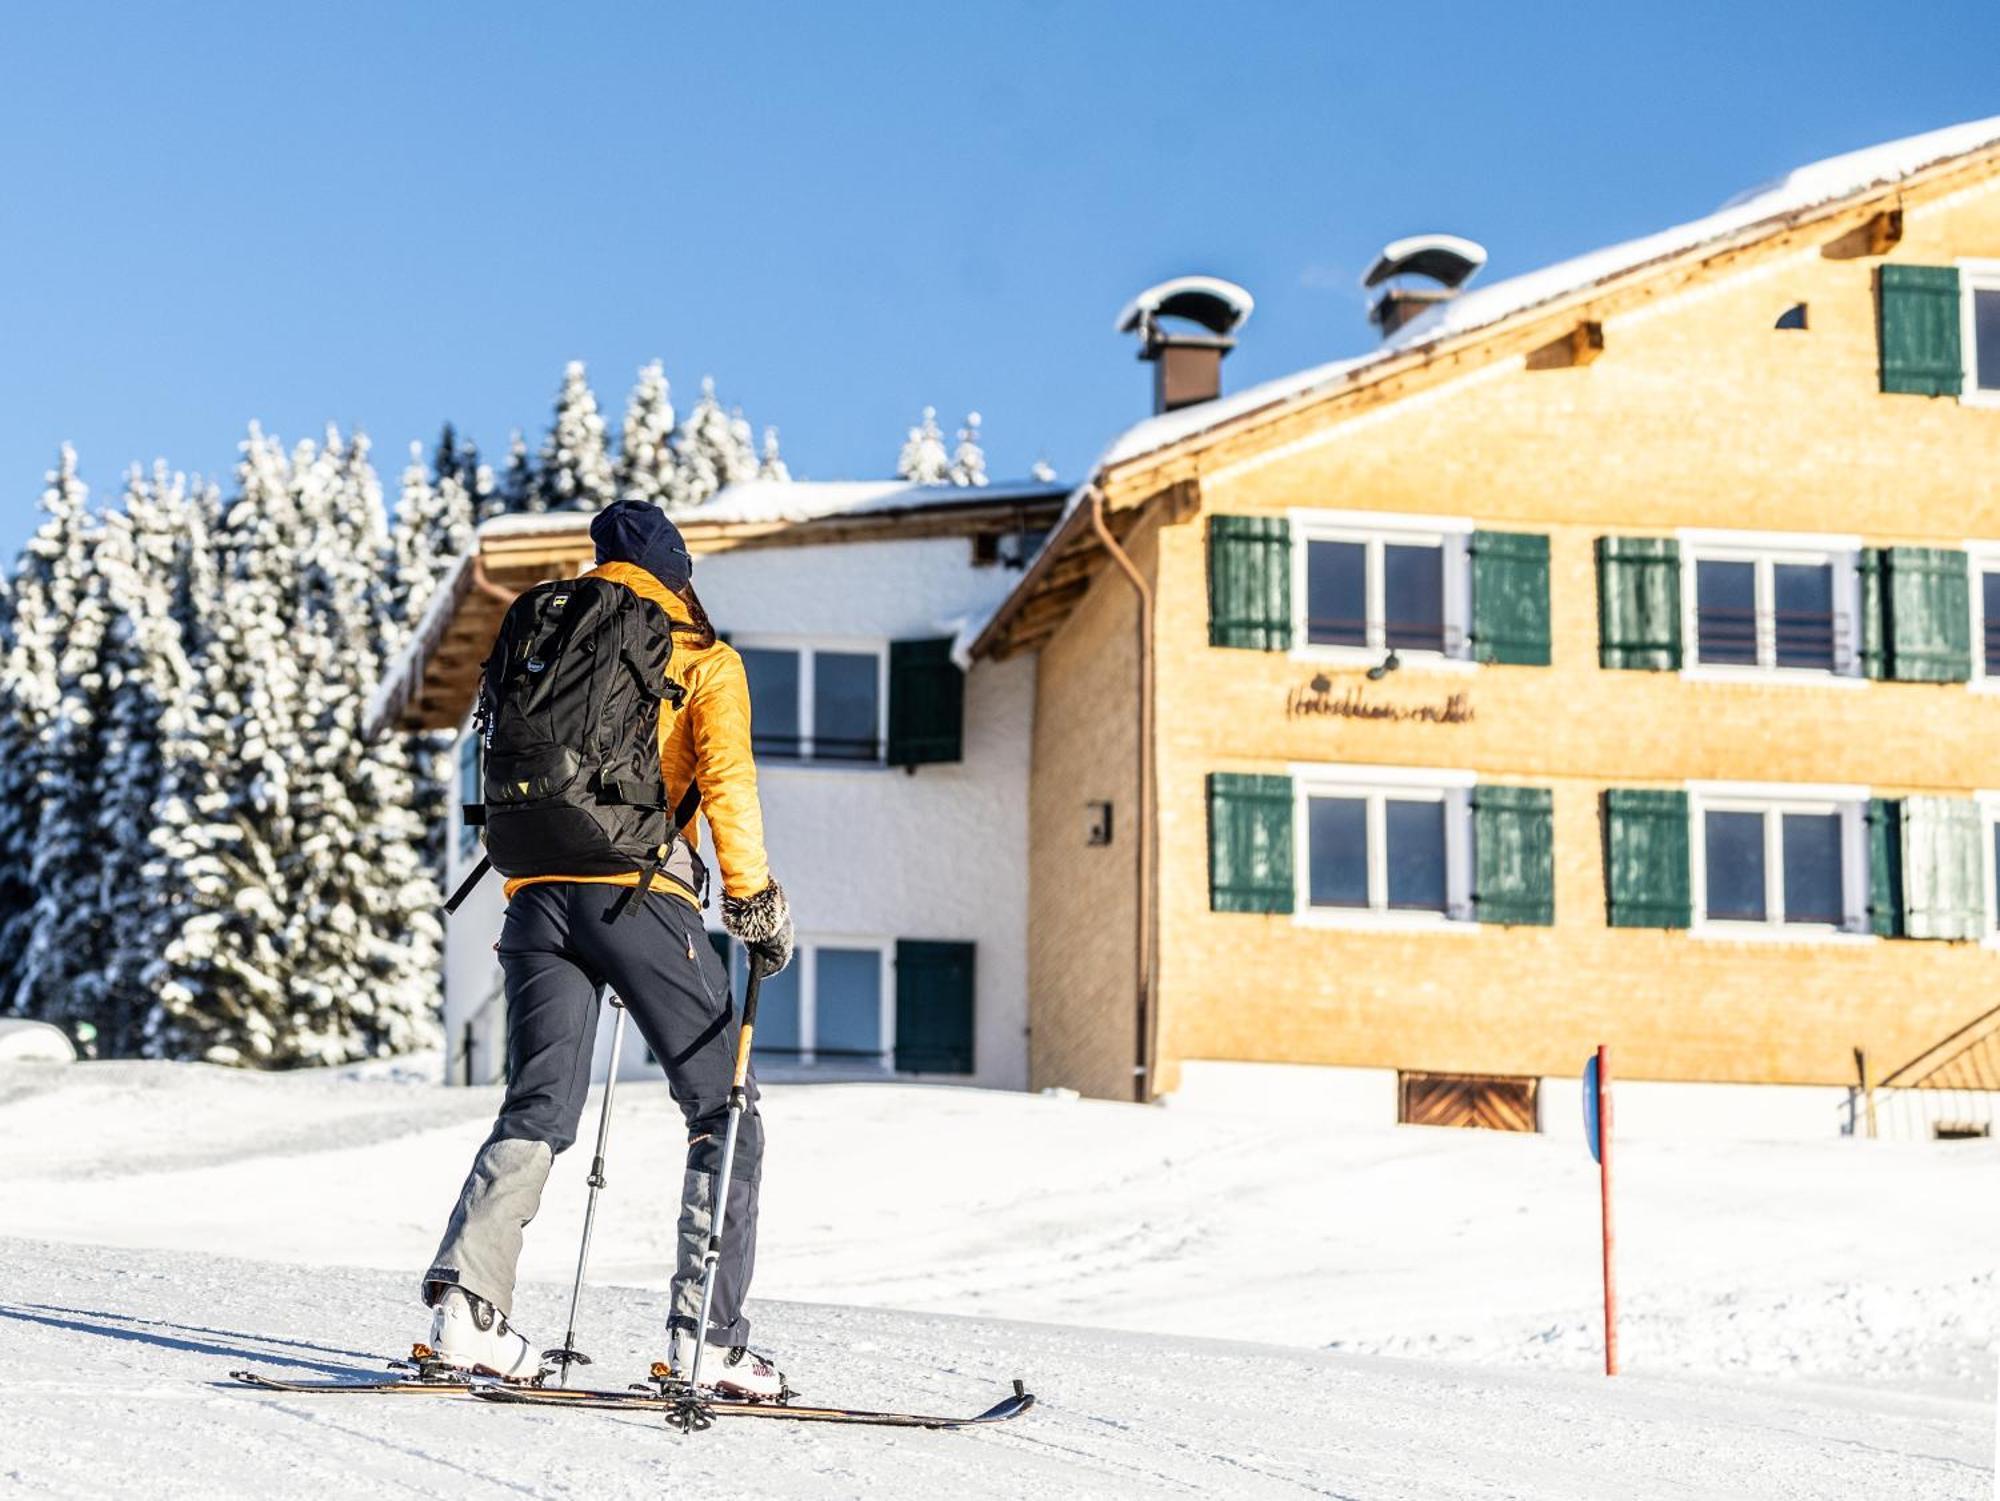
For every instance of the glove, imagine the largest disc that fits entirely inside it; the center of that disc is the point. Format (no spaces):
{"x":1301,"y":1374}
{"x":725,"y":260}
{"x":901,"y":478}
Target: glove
{"x":764,"y":925}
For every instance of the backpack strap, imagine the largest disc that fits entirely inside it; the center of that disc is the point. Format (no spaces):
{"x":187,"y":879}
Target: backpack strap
{"x":688,"y":806}
{"x":465,"y":887}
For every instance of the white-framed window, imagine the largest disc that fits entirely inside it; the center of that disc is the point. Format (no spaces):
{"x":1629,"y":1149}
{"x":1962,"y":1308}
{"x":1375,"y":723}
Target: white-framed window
{"x":832,"y":1008}
{"x":471,"y":786}
{"x":1382,"y":846}
{"x":1989,"y":812}
{"x":1985,"y":563}
{"x":822,"y":701}
{"x":1771,"y":604}
{"x":1776,"y":859}
{"x":1365,"y":584}
{"x":1979,"y":331}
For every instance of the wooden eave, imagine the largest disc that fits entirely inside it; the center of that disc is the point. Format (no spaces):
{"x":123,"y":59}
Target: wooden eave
{"x":1042,"y":601}
{"x":442,"y":677}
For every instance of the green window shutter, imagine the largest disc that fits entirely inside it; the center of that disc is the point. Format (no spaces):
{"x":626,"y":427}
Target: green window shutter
{"x":1918,"y":601}
{"x":1249,"y":843}
{"x":1250,"y":582}
{"x":1513,"y":837}
{"x":1874,"y":613}
{"x":1944,"y":880}
{"x":1885,"y":867}
{"x":1646,"y":859}
{"x":1510,"y":598}
{"x":1919,"y":313}
{"x":1639,"y":602}
{"x":926,"y":703}
{"x":933,"y":1007}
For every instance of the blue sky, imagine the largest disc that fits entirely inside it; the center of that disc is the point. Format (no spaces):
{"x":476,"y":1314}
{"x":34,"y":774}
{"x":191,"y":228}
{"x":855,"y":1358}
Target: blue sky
{"x":399,"y":214}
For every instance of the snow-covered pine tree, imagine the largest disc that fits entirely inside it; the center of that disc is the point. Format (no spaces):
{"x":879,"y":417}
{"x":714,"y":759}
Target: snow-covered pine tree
{"x":646,"y":463}
{"x":519,"y":488}
{"x":66,"y":929}
{"x":1042,"y":472}
{"x":575,"y":471}
{"x":151,"y":691}
{"x":713,"y":448}
{"x":968,"y":460}
{"x":432,"y":529}
{"x":923,"y":460}
{"x":42,"y":597}
{"x":772,"y":465}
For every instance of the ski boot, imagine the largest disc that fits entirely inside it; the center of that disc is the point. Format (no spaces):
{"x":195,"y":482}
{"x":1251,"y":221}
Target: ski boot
{"x":469,"y":1334}
{"x":736,"y":1372}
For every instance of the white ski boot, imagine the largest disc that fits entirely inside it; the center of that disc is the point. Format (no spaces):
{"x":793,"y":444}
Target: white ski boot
{"x":733,"y":1372}
{"x":470,"y":1334}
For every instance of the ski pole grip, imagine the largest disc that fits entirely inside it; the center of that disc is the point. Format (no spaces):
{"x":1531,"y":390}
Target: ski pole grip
{"x":749,"y":1017}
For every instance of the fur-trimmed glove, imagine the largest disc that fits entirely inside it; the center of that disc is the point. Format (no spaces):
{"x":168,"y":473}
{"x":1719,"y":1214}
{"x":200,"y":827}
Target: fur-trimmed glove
{"x":764,"y":924}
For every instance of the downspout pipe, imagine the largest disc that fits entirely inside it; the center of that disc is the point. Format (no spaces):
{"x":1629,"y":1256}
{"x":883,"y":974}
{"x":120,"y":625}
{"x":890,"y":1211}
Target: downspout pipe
{"x":1145,"y":1020}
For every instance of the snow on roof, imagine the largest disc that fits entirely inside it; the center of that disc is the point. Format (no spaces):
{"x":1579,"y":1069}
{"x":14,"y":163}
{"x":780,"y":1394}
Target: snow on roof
{"x":794,"y":501}
{"x":1806,"y":187}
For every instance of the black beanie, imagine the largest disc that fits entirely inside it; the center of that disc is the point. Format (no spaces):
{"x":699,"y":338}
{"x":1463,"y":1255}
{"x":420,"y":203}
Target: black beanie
{"x":636,"y":531}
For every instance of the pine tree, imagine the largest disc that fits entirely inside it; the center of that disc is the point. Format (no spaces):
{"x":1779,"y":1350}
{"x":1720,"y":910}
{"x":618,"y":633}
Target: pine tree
{"x":520,"y":489}
{"x":1042,"y":472}
{"x":713,"y":449}
{"x":433,"y":528}
{"x":968,"y":460}
{"x":42,"y":598}
{"x":923,"y":460}
{"x":576,"y":464}
{"x":772,"y":465}
{"x":151,"y":691}
{"x":646,"y":461}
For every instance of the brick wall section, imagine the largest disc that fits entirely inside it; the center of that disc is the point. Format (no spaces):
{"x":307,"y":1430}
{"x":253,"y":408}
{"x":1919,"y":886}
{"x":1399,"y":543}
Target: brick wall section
{"x":1081,"y":899}
{"x":1699,"y":413}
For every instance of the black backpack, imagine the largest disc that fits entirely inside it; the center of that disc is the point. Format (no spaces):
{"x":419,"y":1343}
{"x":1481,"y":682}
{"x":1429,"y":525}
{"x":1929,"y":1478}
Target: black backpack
{"x":568,"y":716}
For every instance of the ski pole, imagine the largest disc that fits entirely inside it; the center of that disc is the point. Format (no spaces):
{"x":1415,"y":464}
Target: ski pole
{"x":568,"y":1354}
{"x":690,"y":1414}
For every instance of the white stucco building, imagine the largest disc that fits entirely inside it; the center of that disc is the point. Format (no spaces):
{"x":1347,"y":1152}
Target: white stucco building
{"x":908,"y":883}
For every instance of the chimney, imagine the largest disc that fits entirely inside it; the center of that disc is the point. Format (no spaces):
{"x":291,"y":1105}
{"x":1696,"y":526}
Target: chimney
{"x":1201,"y":315}
{"x":1445,"y":261}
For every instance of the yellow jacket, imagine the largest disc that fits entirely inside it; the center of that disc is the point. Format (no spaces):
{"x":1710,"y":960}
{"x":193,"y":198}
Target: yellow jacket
{"x":707,"y":740}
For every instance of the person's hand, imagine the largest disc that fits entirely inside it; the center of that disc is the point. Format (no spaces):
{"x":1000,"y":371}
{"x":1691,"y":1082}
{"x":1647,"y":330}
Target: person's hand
{"x":763,"y":923}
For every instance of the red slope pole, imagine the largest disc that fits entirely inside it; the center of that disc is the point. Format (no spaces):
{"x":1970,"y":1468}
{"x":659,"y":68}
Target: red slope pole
{"x":1610,"y":1237}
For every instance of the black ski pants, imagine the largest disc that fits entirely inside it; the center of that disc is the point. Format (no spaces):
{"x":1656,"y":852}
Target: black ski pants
{"x":559,"y":943}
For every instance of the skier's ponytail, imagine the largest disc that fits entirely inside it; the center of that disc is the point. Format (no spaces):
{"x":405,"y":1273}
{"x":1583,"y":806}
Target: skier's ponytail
{"x":701,"y":627}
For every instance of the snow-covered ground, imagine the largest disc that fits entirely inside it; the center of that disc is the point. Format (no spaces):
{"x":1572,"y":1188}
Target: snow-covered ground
{"x":1801,"y":1319}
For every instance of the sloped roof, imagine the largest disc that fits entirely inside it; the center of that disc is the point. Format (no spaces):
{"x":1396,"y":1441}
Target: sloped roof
{"x":427,"y":686}
{"x":1812,"y":186}
{"x":1816,"y":186}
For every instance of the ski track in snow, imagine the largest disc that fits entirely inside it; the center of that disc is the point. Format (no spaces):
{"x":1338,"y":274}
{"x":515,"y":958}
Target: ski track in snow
{"x":1801,"y":1320}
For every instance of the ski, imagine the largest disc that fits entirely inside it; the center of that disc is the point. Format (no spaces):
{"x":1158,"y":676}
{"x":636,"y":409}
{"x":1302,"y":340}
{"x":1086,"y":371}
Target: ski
{"x":645,"y":1399}
{"x":412,"y":1384}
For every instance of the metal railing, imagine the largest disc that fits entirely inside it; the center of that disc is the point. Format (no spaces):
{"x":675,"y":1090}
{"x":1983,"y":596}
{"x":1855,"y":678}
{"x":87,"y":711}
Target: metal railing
{"x":1950,"y":1090}
{"x":1734,"y":637}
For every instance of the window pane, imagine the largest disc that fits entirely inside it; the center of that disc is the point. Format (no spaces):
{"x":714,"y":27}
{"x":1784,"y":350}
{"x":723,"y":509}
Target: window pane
{"x":845,"y":718}
{"x":1802,"y":614}
{"x":1725,"y":606}
{"x":1416,"y":855}
{"x":1413,"y":596}
{"x":1735,"y":866}
{"x":471,"y":786}
{"x":1337,"y":593}
{"x":774,"y":700}
{"x":1989,"y":586}
{"x":1986,"y":337}
{"x":1813,"y":890}
{"x":1996,"y":867}
{"x":1337,"y":833}
{"x":847,"y":1005}
{"x":777,"y":1035}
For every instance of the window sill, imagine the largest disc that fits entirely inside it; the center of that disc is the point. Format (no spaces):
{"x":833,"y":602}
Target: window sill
{"x":1728,"y":932}
{"x":1358,"y":656}
{"x":1979,"y":398}
{"x":1789,"y":677}
{"x":1358,"y":920}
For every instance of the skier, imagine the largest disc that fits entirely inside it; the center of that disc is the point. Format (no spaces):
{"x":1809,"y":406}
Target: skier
{"x":565,"y":936}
